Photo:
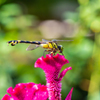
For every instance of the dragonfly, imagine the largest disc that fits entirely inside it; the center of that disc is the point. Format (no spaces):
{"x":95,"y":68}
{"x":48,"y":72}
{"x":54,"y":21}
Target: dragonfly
{"x":50,"y":46}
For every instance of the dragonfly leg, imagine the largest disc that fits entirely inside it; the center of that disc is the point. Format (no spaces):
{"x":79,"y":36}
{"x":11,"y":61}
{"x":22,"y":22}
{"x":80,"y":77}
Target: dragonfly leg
{"x":45,"y":51}
{"x":49,"y":52}
{"x":54,"y":53}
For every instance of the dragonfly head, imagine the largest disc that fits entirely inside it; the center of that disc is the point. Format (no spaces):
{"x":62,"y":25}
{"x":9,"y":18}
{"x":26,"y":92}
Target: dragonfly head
{"x":60,"y":47}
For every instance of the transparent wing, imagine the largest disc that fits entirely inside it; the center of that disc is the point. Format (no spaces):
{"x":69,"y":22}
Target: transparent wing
{"x":54,"y":40}
{"x":45,"y":41}
{"x":60,"y":40}
{"x":57,"y":41}
{"x":32,"y":47}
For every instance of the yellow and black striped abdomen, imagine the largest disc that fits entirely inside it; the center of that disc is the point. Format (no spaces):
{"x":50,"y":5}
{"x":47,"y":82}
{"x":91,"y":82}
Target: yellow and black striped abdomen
{"x":14,"y":42}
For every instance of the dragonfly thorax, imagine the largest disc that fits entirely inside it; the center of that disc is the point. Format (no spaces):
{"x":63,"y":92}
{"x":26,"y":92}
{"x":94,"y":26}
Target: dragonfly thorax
{"x":44,"y":45}
{"x":49,"y":45}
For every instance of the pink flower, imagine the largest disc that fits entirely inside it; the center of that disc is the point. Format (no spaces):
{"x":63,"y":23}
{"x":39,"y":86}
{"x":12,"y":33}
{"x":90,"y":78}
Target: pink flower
{"x":52,"y":66}
{"x":31,"y":91}
{"x":27,"y":91}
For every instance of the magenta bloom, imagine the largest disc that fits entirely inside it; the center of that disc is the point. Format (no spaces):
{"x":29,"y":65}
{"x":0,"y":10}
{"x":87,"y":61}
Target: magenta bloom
{"x":31,"y":91}
{"x":27,"y":91}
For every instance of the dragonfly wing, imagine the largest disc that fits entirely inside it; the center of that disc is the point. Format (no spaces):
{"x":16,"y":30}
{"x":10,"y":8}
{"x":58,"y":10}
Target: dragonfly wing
{"x":45,"y":41}
{"x":60,"y":40}
{"x":32,"y":47}
{"x":57,"y":41}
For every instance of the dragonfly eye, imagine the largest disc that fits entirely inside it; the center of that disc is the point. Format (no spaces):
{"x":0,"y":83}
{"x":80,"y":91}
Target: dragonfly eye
{"x":60,"y":48}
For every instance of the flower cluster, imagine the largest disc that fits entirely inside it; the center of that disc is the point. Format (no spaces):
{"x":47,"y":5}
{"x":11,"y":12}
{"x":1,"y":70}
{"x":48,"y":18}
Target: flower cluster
{"x":31,"y":91}
{"x":27,"y":91}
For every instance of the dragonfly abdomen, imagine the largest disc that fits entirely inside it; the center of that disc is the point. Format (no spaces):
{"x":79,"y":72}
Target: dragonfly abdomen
{"x":30,"y":42}
{"x":14,"y":42}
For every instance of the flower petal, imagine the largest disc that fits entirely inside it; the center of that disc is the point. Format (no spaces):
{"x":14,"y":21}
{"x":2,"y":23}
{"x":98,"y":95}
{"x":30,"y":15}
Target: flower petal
{"x":69,"y":95}
{"x":62,"y":74}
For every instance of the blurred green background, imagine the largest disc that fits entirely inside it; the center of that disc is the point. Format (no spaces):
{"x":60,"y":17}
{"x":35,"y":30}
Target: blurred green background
{"x":34,"y":20}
